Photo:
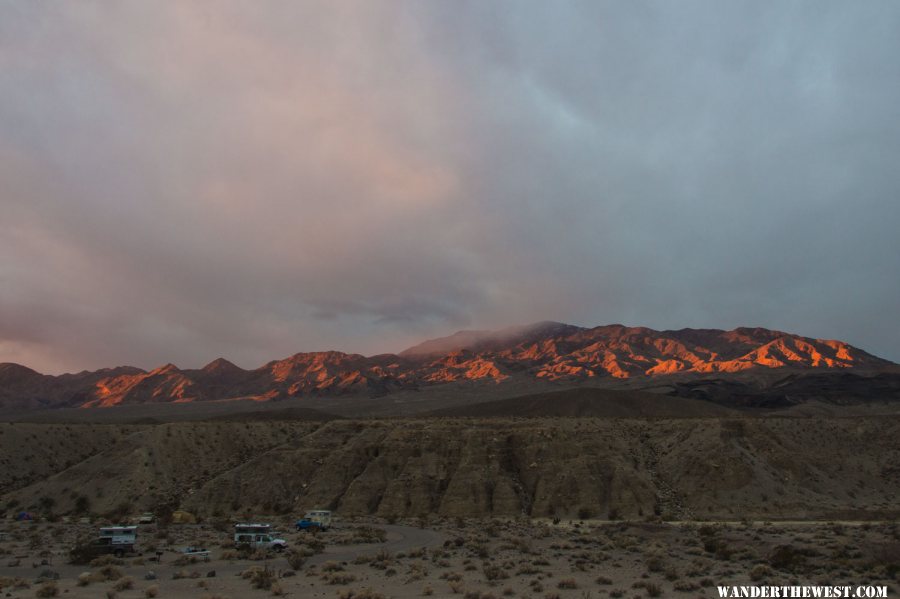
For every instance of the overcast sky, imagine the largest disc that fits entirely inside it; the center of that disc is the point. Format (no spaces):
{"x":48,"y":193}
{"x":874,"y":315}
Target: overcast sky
{"x":186,"y":180}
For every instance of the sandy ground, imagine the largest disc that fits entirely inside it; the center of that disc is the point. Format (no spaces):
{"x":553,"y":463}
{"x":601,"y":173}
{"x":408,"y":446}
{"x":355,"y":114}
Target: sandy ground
{"x":471,"y":559}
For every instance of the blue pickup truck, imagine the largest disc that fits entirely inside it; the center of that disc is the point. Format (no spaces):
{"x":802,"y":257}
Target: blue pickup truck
{"x":315,"y":521}
{"x":308,"y":525}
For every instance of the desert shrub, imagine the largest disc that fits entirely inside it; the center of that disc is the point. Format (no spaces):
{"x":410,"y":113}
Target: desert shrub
{"x":654,"y":562}
{"x":277,"y":589}
{"x":364,"y":534}
{"x":653,"y":590}
{"x":48,"y":589}
{"x":339,"y":578}
{"x":184,"y":560}
{"x":332,"y":566}
{"x":492,"y":572}
{"x":366,"y":593}
{"x":295,"y":559}
{"x":603,"y":580}
{"x":82,"y":553}
{"x":785,"y":557}
{"x":760,"y":572}
{"x":567,"y":583}
{"x":108,"y":572}
{"x":105,"y":560}
{"x":151,"y":591}
{"x":685,"y":586}
{"x":125,"y":583}
{"x":260,"y":578}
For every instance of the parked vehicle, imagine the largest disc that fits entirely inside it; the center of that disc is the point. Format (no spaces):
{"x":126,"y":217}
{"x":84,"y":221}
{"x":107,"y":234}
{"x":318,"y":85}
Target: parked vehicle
{"x":260,"y":536}
{"x":314,"y":521}
{"x":117,"y":540}
{"x":198,"y":552}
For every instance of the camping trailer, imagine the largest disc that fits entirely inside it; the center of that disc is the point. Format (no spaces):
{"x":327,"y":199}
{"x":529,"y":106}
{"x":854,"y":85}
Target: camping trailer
{"x":118,"y":540}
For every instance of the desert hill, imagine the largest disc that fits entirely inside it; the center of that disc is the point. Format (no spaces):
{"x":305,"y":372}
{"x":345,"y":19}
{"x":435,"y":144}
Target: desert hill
{"x":711,"y":468}
{"x":590,"y":402}
{"x":543,"y":352}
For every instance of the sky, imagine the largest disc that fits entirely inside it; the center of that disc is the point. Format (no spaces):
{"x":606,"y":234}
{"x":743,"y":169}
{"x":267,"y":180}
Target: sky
{"x":181,"y":181}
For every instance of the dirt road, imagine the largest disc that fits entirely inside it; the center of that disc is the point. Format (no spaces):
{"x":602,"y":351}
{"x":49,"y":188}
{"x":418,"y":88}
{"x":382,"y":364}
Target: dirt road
{"x":399,"y":539}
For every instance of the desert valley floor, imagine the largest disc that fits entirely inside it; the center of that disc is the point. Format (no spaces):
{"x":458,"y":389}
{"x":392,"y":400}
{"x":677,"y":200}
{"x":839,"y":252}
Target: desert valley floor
{"x":457,"y":506}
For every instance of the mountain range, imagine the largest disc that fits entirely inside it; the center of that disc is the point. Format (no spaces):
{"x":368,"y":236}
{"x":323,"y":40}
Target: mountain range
{"x":544,"y":351}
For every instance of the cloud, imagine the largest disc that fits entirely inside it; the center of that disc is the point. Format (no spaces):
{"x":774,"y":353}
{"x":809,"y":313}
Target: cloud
{"x":183,"y":181}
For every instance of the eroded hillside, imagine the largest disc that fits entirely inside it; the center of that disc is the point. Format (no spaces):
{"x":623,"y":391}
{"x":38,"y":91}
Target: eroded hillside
{"x":686,"y":468}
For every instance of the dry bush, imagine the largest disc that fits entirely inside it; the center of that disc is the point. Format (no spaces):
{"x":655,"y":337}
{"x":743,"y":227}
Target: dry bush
{"x":332,"y":566}
{"x":339,"y":578}
{"x":295,"y":559}
{"x":685,"y":586}
{"x":108,"y":572}
{"x":416,"y":572}
{"x":125,"y":583}
{"x":366,"y":593}
{"x":786,"y":557}
{"x":151,"y":591}
{"x":364,"y":534}
{"x":567,"y":583}
{"x":492,"y":572}
{"x":48,"y":589}
{"x":260,"y":578}
{"x":106,"y":560}
{"x":654,"y":562}
{"x":760,"y":572}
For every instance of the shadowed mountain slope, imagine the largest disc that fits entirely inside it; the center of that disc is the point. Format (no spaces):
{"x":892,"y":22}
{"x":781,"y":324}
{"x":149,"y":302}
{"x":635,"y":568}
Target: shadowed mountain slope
{"x":590,"y":403}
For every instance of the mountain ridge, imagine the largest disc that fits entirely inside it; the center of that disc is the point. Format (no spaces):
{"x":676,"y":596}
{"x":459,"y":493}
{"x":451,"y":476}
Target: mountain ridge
{"x":547,"y":351}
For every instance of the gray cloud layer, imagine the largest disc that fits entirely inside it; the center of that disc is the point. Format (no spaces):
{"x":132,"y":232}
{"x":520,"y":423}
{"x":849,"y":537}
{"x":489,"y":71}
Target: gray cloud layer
{"x":187,"y":180}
